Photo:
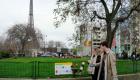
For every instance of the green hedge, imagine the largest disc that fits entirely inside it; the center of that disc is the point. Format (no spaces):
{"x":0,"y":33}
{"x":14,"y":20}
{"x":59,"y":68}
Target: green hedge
{"x":4,"y":54}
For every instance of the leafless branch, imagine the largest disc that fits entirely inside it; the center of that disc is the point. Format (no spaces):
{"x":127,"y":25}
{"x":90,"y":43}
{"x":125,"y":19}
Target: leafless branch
{"x":100,"y":17}
{"x":135,"y":8}
{"x":116,"y":26}
{"x":117,"y":8}
{"x":105,"y":6}
{"x":114,"y":3}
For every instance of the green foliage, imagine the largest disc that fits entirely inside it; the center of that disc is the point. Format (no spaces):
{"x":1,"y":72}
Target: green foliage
{"x":4,"y":54}
{"x":74,"y":50}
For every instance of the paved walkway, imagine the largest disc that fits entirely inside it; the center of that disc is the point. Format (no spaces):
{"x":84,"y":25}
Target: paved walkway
{"x":84,"y":78}
{"x":121,"y":77}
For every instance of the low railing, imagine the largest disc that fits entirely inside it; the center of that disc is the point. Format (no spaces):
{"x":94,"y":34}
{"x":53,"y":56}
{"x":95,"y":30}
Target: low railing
{"x":38,"y":69}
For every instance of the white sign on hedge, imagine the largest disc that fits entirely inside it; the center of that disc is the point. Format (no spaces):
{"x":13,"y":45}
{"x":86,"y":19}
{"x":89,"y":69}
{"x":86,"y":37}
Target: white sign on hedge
{"x":63,"y":68}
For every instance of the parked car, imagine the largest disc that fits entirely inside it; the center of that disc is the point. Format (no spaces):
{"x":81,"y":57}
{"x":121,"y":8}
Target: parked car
{"x":54,"y":54}
{"x":49,"y":54}
{"x":45,"y":55}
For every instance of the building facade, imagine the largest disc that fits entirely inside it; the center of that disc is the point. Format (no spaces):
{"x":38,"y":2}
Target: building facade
{"x":91,"y":40}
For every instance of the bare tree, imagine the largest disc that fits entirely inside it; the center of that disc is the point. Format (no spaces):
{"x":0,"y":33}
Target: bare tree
{"x":135,"y":33}
{"x":96,"y":11}
{"x":78,"y":36}
{"x":19,"y":38}
{"x":2,"y":43}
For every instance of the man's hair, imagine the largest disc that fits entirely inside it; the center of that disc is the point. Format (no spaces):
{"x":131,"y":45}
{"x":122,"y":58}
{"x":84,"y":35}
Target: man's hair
{"x":104,"y":43}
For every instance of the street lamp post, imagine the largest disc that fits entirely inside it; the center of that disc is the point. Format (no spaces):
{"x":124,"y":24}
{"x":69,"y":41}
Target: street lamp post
{"x":44,"y":46}
{"x":45,"y":42}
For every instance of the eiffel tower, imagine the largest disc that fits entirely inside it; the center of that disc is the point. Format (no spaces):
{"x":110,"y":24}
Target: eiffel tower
{"x":31,"y":17}
{"x":34,"y":44}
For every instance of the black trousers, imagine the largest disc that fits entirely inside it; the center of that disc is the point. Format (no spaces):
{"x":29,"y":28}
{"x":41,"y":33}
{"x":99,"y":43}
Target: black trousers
{"x":94,"y":77}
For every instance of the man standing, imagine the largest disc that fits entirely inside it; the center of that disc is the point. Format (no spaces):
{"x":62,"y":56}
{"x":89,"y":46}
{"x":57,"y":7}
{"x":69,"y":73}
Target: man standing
{"x":109,"y":59}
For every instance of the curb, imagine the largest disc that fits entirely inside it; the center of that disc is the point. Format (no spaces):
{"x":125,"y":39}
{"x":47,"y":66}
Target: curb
{"x":82,"y":78}
{"x":121,"y":77}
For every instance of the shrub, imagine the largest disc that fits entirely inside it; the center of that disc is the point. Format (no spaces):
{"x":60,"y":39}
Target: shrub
{"x":4,"y":54}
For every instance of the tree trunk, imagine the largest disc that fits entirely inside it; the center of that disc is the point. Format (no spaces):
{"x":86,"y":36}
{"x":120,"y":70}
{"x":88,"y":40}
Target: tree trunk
{"x":23,"y":47}
{"x":108,"y":38}
{"x":110,"y":35}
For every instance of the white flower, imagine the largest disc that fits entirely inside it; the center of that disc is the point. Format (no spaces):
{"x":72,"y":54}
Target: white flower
{"x":83,"y":63}
{"x":81,"y":68}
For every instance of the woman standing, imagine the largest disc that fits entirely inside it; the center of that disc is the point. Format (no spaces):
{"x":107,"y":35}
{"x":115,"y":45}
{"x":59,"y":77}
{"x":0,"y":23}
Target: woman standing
{"x":96,"y":64}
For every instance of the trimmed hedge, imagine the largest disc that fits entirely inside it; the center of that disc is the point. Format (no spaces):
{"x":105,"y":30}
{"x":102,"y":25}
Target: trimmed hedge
{"x":4,"y":54}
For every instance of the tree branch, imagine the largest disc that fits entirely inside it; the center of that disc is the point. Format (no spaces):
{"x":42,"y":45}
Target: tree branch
{"x":135,"y":8}
{"x":116,"y":26}
{"x":114,"y":3}
{"x":114,"y":12}
{"x":100,"y":17}
{"x":105,"y":6}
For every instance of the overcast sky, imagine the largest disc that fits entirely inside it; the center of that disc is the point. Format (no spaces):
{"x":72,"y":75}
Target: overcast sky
{"x":16,"y":11}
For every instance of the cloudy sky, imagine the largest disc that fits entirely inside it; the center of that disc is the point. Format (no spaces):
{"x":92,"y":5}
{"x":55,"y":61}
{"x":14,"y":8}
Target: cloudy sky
{"x":16,"y":11}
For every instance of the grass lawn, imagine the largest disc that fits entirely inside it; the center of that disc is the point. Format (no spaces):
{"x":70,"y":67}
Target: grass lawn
{"x":43,"y":67}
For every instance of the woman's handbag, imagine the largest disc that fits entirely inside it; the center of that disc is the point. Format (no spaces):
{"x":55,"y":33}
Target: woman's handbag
{"x":91,"y":66}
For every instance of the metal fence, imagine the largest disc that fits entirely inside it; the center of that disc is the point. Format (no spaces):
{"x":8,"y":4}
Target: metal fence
{"x":34,"y":69}
{"x":38,"y":69}
{"x":128,"y":66}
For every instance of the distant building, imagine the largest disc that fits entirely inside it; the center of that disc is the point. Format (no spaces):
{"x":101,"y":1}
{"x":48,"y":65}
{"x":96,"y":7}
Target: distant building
{"x":63,"y":50}
{"x":122,"y":38}
{"x":92,"y":39}
{"x":85,"y":46}
{"x":96,"y":37}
